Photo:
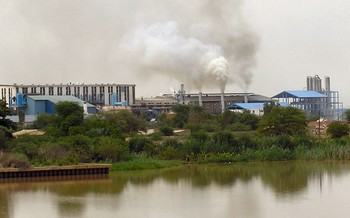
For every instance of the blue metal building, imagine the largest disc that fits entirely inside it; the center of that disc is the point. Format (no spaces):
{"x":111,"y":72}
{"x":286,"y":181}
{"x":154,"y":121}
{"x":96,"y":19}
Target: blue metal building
{"x":36,"y":104}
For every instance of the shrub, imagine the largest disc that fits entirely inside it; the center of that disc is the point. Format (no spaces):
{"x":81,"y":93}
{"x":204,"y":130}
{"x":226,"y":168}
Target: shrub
{"x":10,"y":160}
{"x":157,"y":136}
{"x":5,"y":135}
{"x":109,"y":149}
{"x":171,"y":153}
{"x":80,"y":146}
{"x":226,"y":141}
{"x":247,"y":141}
{"x":337,"y":129}
{"x":166,"y":130}
{"x":137,"y":144}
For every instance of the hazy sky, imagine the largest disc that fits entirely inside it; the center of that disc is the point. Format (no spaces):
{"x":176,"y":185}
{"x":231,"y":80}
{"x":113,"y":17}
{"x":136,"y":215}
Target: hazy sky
{"x":264,"y":46}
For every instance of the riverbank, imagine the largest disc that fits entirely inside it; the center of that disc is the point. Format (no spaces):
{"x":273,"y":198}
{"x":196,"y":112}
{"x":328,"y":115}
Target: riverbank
{"x":145,"y":164}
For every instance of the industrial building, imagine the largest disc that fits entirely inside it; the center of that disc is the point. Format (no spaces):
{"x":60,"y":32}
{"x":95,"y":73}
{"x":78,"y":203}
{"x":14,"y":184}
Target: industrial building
{"x":315,"y":100}
{"x":96,"y":94}
{"x":213,"y":103}
{"x":46,"y":104}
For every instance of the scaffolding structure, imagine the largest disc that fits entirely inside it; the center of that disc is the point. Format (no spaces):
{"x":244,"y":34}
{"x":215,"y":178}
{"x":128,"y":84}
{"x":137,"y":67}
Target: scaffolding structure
{"x":315,"y":101}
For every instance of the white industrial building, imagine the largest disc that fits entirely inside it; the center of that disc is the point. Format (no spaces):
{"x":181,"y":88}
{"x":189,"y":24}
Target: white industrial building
{"x":97,"y":94}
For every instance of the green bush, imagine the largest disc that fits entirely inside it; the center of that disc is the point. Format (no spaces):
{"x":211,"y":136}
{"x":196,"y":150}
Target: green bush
{"x":109,"y":149}
{"x":167,"y":130}
{"x":157,"y":136}
{"x":14,"y":160}
{"x":337,"y":129}
{"x":247,"y":141}
{"x":225,"y":141}
{"x":171,"y":153}
{"x":80,"y":146}
{"x":137,"y":144}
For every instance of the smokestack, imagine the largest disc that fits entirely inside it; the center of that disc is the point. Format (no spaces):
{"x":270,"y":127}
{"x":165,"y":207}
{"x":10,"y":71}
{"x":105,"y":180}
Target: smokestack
{"x":200,"y":99}
{"x":222,"y":102}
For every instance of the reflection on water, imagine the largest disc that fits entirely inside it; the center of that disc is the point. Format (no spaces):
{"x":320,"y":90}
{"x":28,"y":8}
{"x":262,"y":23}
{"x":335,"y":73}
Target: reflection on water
{"x":281,"y":189}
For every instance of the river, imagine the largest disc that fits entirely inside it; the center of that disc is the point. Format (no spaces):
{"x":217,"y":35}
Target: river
{"x":278,"y":189}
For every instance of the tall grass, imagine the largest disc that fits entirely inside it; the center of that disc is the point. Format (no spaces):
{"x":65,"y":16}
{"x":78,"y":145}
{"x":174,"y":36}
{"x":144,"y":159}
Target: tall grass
{"x":324,"y":150}
{"x":142,"y":163}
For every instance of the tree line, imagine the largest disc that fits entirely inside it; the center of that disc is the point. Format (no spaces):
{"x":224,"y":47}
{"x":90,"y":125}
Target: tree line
{"x":280,"y":134}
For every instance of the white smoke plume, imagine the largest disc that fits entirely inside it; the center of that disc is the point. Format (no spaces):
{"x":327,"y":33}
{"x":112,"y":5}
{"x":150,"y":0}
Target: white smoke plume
{"x":201,"y":43}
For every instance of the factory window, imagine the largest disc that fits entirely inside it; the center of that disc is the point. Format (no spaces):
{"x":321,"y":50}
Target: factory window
{"x":68,"y":90}
{"x":93,"y":93}
{"x":50,"y":90}
{"x":102,"y":90}
{"x":42,"y":90}
{"x":24,"y":90}
{"x":59,"y":90}
{"x":110,"y":89}
{"x":32,"y":89}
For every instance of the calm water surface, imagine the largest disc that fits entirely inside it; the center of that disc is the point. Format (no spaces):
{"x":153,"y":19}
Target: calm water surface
{"x":285,"y":189}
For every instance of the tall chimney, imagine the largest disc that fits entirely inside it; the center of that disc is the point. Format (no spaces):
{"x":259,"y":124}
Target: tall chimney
{"x":222,"y":102}
{"x":200,"y":99}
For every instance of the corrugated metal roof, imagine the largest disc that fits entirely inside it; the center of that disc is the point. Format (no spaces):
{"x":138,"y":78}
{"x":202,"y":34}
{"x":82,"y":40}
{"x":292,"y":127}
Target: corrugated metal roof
{"x":253,"y":106}
{"x":57,"y":98}
{"x":299,"y":94}
{"x":247,"y":106}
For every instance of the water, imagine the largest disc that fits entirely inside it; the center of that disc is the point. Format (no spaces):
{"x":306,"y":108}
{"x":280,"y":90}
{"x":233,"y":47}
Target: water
{"x":283,"y":189}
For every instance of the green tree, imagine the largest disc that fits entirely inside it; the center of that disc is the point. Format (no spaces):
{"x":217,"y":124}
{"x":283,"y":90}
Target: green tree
{"x":182,"y":113}
{"x":127,"y":122}
{"x":347,"y":115}
{"x":197,"y":115}
{"x":283,"y":121}
{"x":338,"y":129}
{"x":227,"y":118}
{"x":42,"y":121}
{"x":249,"y":119}
{"x":268,"y":107}
{"x":5,"y":111}
{"x":67,"y":108}
{"x":69,"y":114}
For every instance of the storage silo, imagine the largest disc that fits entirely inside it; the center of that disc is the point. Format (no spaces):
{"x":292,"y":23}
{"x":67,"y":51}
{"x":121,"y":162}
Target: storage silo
{"x":19,"y":99}
{"x":317,"y":84}
{"x":309,"y":83}
{"x":327,"y":84}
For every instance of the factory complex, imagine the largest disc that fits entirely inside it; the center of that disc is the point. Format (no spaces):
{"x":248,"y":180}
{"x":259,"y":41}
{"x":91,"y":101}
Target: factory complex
{"x":37,"y":99}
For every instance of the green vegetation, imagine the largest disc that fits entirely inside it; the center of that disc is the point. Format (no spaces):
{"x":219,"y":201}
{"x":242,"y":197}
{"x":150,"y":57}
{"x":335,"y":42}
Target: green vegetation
{"x":338,"y":129}
{"x":281,"y":134}
{"x":145,"y":164}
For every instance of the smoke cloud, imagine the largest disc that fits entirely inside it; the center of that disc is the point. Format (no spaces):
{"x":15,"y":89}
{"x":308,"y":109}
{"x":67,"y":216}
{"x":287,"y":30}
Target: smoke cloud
{"x":201,"y":43}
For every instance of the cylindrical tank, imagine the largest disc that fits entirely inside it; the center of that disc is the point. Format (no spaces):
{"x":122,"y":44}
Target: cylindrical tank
{"x":124,"y":103}
{"x":309,"y":83}
{"x":327,"y":84}
{"x":317,"y":84}
{"x":19,"y":99}
{"x":114,"y":99}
